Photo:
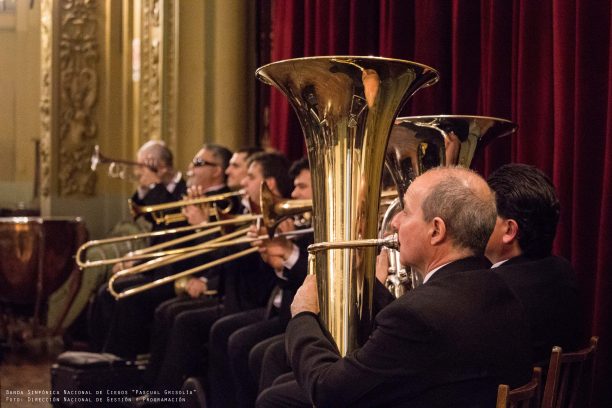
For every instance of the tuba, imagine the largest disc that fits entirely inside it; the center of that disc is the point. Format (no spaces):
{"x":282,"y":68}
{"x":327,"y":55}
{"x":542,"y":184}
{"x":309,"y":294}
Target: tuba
{"x":346,"y":107}
{"x":418,"y":143}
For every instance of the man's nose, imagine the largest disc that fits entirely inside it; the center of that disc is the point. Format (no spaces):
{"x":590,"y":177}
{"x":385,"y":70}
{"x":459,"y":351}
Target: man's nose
{"x":396,"y":221}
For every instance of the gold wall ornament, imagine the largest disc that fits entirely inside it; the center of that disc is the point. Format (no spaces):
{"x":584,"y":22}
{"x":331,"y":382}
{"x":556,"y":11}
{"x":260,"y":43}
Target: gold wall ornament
{"x":69,"y":94}
{"x":158,"y":72}
{"x":46,"y":28}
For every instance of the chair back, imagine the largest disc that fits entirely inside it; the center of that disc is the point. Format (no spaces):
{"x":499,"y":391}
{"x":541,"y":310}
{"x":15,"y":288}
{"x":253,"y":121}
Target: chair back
{"x":569,"y":382}
{"x":525,"y":396}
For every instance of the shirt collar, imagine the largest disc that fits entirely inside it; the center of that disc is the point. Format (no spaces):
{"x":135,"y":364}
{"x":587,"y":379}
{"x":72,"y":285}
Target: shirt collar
{"x":430,"y":273}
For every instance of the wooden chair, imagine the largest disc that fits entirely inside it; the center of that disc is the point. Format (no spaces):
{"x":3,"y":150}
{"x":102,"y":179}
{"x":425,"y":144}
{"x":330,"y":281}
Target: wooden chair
{"x":525,"y":396}
{"x":569,"y":382}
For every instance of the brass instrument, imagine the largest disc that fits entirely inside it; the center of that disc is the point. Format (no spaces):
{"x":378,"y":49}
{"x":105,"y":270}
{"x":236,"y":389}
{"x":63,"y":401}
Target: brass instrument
{"x":117,"y":168}
{"x":163,"y":261}
{"x":273,"y":209}
{"x":221,"y":242}
{"x":346,"y":107}
{"x":209,"y":229}
{"x":418,"y":143}
{"x":158,"y":215}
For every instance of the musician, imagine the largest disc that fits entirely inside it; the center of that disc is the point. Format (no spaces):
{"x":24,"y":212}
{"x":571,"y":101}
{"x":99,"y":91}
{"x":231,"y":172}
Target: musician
{"x":450,"y":342}
{"x":233,"y":336}
{"x":520,"y":250}
{"x":245,"y":284}
{"x":237,"y":169}
{"x":125,"y":324}
{"x":166,"y":312}
{"x":158,"y":181}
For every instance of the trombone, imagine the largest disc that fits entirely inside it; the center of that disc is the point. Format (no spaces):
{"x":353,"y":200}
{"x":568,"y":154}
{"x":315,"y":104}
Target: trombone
{"x":210,"y":228}
{"x":157,"y":211}
{"x":273,"y":211}
{"x":220,"y":242}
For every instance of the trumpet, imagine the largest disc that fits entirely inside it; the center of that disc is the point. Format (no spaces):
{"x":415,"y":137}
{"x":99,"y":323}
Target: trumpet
{"x":157,"y":212}
{"x":118,"y":168}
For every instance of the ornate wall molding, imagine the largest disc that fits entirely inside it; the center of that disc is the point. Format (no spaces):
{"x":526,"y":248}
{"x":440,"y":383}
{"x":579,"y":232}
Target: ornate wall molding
{"x":158,"y":75}
{"x":46,"y":30}
{"x":78,"y":93}
{"x":70,"y":54}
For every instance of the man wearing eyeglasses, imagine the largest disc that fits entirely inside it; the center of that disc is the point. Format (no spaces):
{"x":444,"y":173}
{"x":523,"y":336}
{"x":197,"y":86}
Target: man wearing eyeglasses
{"x":245,"y":283}
{"x":128,"y":334}
{"x":206,"y":177}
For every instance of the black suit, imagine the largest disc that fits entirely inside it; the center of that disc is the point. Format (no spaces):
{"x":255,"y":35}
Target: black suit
{"x":131,"y":318}
{"x":160,"y":195}
{"x":547,"y":290}
{"x":248,"y":282}
{"x":233,"y":337}
{"x":449,"y":342}
{"x":101,"y":311}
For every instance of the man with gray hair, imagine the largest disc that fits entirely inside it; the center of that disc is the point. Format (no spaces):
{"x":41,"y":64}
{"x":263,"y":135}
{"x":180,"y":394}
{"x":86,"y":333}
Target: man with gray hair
{"x":449,"y":342}
{"x":158,"y":181}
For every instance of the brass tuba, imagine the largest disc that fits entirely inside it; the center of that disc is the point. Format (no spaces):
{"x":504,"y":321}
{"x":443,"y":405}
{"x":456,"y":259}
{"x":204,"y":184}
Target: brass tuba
{"x":418,"y":143}
{"x":346,"y":107}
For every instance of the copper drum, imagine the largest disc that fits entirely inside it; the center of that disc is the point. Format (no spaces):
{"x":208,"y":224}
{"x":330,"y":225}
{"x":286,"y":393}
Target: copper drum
{"x":37,"y":255}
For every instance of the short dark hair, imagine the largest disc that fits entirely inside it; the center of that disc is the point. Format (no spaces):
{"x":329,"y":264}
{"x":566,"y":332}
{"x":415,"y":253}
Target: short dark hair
{"x":276,"y":165}
{"x":468,"y":213}
{"x":527,"y":195}
{"x":249,"y":151}
{"x":297,"y":167}
{"x":222,"y":153}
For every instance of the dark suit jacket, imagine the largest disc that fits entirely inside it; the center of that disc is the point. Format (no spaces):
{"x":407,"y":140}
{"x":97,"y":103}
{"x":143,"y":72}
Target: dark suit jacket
{"x":547,"y":290}
{"x":160,"y":195}
{"x":295,"y":277}
{"x":457,"y":336}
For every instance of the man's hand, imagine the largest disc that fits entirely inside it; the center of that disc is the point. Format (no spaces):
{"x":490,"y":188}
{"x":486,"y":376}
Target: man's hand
{"x":306,"y":299}
{"x":119,"y":266}
{"x":196,"y":214}
{"x":382,"y":266}
{"x":275,"y":252}
{"x":196,"y":287}
{"x":147,"y":176}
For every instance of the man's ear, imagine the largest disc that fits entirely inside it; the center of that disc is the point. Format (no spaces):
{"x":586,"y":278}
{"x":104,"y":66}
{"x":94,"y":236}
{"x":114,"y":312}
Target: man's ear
{"x":511,"y":231}
{"x":271,"y":182}
{"x":219,"y":172}
{"x":438,"y":231}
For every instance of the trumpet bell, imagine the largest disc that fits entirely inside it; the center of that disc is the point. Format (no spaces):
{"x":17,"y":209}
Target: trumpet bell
{"x":95,"y":158}
{"x":346,"y":107}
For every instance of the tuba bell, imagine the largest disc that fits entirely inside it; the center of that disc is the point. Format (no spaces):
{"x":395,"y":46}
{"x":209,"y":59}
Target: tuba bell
{"x":419,"y":143}
{"x":346,"y":107}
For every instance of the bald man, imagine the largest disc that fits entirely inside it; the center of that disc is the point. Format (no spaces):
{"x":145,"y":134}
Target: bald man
{"x":449,"y":342}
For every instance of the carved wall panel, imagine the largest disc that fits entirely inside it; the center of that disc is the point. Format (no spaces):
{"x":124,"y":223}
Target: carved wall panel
{"x":159,"y":47}
{"x":46,"y":91}
{"x":69,"y":94}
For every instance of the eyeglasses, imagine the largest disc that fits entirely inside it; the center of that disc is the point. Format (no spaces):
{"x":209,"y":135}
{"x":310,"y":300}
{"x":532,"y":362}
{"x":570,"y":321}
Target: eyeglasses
{"x":198,"y":162}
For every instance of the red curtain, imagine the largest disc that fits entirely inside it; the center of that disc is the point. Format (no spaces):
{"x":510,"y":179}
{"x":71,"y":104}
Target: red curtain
{"x":544,"y":64}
